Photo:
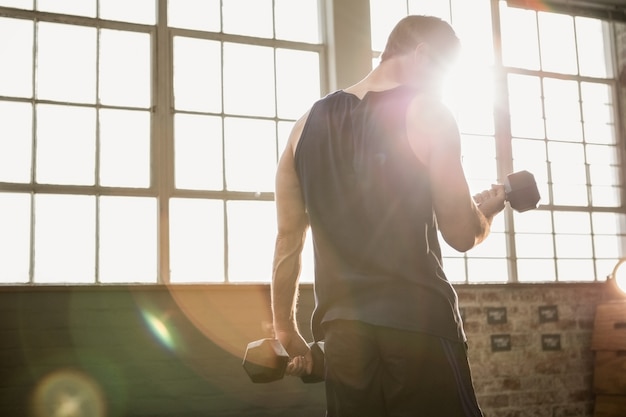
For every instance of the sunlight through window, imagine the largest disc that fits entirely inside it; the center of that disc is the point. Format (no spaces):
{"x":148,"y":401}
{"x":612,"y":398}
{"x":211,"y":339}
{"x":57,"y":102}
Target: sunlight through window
{"x":139,"y":142}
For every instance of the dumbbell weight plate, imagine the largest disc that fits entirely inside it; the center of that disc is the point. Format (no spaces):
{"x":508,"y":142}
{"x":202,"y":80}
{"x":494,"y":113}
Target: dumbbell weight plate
{"x":521,"y":191}
{"x":265,"y":360}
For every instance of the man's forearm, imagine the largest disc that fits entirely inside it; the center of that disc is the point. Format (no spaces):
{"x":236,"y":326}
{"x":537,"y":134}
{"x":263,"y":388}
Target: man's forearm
{"x":286,"y":271}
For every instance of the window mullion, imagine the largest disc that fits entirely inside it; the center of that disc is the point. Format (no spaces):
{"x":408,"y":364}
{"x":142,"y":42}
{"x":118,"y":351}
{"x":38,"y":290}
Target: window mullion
{"x":162,"y":136}
{"x":503,"y":136}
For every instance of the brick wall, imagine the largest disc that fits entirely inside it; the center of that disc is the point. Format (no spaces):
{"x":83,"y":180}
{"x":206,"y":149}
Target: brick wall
{"x":158,"y":351}
{"x":530,"y":348}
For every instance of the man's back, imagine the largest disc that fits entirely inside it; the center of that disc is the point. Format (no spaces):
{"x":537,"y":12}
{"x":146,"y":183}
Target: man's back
{"x":369,"y":204}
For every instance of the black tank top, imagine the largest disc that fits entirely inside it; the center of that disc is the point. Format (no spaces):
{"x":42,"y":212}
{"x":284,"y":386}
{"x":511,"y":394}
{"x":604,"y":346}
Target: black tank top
{"x":368,"y":198}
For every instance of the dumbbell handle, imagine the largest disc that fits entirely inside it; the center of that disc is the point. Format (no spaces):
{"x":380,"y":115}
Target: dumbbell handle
{"x":318,"y":371}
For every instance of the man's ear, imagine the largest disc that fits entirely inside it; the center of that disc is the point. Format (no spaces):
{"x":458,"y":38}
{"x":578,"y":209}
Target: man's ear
{"x":421,"y":52}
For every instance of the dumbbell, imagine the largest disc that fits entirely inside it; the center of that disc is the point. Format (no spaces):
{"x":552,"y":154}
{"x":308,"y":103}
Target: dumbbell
{"x":521,"y":191}
{"x":266,"y":360}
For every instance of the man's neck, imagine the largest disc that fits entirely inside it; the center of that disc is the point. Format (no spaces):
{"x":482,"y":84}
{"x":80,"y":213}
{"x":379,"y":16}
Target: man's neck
{"x":390,"y":74}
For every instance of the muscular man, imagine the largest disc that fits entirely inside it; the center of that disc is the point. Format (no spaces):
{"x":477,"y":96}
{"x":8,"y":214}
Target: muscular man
{"x":375,"y":171}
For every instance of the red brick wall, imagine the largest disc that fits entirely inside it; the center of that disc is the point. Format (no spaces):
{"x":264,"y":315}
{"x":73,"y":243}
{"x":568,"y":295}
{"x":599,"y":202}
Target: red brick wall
{"x":527,"y":378}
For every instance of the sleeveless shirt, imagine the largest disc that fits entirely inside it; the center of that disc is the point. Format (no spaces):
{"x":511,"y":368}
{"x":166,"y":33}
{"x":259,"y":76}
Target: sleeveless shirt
{"x":368,"y":199}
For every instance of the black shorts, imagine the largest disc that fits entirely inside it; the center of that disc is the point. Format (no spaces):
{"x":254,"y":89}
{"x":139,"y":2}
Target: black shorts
{"x":383,"y":372}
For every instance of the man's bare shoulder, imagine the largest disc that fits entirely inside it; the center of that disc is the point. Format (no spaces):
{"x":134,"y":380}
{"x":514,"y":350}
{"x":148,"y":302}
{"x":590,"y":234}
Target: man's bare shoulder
{"x":429,"y":107}
{"x":296,"y":132}
{"x":429,"y":117}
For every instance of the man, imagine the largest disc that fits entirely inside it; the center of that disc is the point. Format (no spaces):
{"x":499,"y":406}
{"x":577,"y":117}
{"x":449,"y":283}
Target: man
{"x":375,"y":171}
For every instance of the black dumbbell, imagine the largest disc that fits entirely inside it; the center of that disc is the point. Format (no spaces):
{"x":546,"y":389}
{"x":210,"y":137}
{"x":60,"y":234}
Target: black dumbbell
{"x":521,"y":191}
{"x":266,"y":360}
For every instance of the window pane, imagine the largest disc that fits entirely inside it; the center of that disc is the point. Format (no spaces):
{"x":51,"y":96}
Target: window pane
{"x":384,"y":16}
{"x":525,"y":106}
{"x":575,"y":270}
{"x":18,"y":4}
{"x":568,"y":173}
{"x":562,"y":111}
{"x":16,"y":50}
{"x":607,"y":246}
{"x":66,"y":145}
{"x":572,"y":222}
{"x":487,"y":270}
{"x":454,"y":269}
{"x":14,"y":238}
{"x":479,"y":159}
{"x":239,"y":80}
{"x":562,"y":104}
{"x":307,"y":273}
{"x":604,"y":174}
{"x":124,"y":68}
{"x":16,"y":137}
{"x":520,"y":46}
{"x":603,"y":196}
{"x":573,"y":246}
{"x":609,"y":223}
{"x":297,"y":20}
{"x":472,"y":101}
{"x":250,"y":155}
{"x":66,"y":62}
{"x":251,"y":240}
{"x":125,"y":148}
{"x":533,"y":221}
{"x":248,"y":17}
{"x":570,"y":195}
{"x":476,"y":38}
{"x":497,"y":225}
{"x":598,"y":113}
{"x":65,"y":227}
{"x":558,"y":49}
{"x":534,"y":246}
{"x":562,"y":153}
{"x":197,"y":74}
{"x":194,"y":14}
{"x":297,"y":82}
{"x":136,"y":11}
{"x":535,"y":270}
{"x":198,"y":152}
{"x":600,"y":154}
{"x":74,"y":7}
{"x":128,"y":242}
{"x":594,"y":60}
{"x":600,"y":175}
{"x":196,"y":240}
{"x":434,"y":8}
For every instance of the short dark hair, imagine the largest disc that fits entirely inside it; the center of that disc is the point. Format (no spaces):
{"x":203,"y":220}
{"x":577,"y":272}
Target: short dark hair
{"x":412,"y":30}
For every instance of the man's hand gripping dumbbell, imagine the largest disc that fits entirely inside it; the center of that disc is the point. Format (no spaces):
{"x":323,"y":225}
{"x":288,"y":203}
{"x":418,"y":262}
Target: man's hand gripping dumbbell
{"x":520,"y":191}
{"x":266,"y":360}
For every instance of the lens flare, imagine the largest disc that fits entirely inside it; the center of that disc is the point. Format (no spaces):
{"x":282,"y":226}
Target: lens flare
{"x":620,"y":279}
{"x":159,"y":329}
{"x":68,"y":393}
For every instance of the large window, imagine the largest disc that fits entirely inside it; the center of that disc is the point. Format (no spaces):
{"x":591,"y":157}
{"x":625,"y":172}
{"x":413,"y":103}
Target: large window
{"x":138,"y":140}
{"x":542,"y":99}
